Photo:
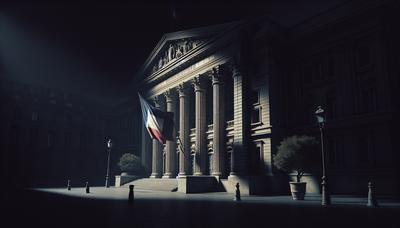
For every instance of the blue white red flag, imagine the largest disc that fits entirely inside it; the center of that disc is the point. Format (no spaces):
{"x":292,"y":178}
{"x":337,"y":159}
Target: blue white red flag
{"x":159,"y":124}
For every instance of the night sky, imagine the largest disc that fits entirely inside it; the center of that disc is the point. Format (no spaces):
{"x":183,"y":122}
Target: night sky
{"x":95,"y":48}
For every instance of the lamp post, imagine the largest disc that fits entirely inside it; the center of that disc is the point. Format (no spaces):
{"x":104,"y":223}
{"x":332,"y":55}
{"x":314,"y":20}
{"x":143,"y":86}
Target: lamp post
{"x":109,"y":146}
{"x":320,"y":114}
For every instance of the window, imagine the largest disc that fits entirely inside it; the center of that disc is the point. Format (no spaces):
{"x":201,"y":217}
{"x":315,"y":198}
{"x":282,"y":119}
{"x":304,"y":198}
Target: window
{"x":317,"y":71}
{"x":14,"y":133}
{"x":33,"y":135}
{"x":256,"y":111}
{"x":366,"y":149}
{"x":363,"y":56}
{"x":50,"y":139}
{"x":255,"y":97}
{"x":17,"y":114}
{"x":257,"y":158}
{"x":331,"y":66}
{"x":255,"y":115}
{"x":308,"y":111}
{"x":369,"y":100}
{"x":307,"y":74}
{"x":68,"y":119}
{"x":67,"y":139}
{"x":35,"y":116}
{"x":331,"y":105}
{"x":52,"y":94}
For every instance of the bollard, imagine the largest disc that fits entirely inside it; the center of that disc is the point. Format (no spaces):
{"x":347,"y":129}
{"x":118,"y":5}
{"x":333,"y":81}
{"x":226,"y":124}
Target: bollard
{"x":87,"y":187}
{"x":69,"y":185}
{"x":131,"y":197}
{"x":237,"y":193}
{"x":372,"y":202}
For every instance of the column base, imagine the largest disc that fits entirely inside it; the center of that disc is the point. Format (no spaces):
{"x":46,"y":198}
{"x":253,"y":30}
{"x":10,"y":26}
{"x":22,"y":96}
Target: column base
{"x":219,"y":174}
{"x":167,"y":175}
{"x":233,"y":174}
{"x":181,"y":175}
{"x":155,"y":175}
{"x":197,"y":174}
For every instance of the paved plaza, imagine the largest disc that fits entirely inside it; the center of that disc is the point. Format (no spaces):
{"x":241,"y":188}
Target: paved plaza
{"x":58,"y":207}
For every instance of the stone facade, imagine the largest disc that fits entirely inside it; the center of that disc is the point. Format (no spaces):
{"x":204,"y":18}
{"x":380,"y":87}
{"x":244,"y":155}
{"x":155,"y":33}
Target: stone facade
{"x":212,"y":140}
{"x":246,"y":85}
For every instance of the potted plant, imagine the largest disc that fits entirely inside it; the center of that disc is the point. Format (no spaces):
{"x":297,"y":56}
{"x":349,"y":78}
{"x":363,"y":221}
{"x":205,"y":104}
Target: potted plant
{"x":130,"y":164}
{"x":298,"y":154}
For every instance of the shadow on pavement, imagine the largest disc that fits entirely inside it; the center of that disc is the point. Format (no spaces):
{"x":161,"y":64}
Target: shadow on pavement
{"x":41,"y":209}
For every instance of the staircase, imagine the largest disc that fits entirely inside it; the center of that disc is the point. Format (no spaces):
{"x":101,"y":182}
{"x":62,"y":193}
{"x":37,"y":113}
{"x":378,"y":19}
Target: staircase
{"x":155,"y":184}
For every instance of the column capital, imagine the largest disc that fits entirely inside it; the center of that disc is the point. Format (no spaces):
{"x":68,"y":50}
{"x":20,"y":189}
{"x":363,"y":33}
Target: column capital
{"x":216,"y":75}
{"x":182,"y":89}
{"x":236,"y":71}
{"x":198,"y":84}
{"x":169,"y":95}
{"x":235,"y":68}
{"x":156,"y":101}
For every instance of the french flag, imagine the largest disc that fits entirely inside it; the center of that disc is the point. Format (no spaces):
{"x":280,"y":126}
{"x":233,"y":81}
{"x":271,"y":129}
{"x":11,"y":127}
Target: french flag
{"x":159,"y":124}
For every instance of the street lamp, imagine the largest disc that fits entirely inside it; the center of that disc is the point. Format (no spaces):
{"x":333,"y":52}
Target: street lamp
{"x":320,"y":114}
{"x":109,"y":146}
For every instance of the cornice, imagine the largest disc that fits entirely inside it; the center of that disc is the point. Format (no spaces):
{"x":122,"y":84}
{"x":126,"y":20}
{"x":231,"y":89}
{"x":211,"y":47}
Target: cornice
{"x":333,"y":16}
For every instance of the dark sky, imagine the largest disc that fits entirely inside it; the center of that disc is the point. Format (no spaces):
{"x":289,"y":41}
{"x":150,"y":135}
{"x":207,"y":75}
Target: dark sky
{"x":95,"y":48}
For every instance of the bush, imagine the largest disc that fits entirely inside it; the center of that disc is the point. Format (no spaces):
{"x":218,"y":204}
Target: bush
{"x":297,"y":153}
{"x":130,"y":163}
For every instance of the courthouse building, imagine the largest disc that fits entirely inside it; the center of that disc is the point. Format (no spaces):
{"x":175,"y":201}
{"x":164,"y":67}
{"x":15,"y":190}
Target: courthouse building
{"x":237,"y":89}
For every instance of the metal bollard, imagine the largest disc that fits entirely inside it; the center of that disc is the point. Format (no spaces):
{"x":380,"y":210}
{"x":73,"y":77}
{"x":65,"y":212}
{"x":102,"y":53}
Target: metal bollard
{"x":237,"y":193}
{"x":87,"y":187}
{"x":131,"y":196}
{"x":69,"y":185}
{"x":372,"y":202}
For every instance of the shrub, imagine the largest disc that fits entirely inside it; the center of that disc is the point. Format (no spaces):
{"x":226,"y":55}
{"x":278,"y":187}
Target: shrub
{"x":297,"y":153}
{"x":130,"y":163}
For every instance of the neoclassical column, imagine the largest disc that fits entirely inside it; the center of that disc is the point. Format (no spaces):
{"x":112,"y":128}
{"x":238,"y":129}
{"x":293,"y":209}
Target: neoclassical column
{"x":170,"y":149}
{"x":219,"y":144}
{"x":157,"y":152}
{"x":201,"y":126}
{"x":238,"y":159}
{"x":183,"y":130}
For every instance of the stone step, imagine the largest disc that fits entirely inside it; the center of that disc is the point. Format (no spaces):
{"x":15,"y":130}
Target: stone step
{"x":228,"y":186}
{"x":155,"y":184}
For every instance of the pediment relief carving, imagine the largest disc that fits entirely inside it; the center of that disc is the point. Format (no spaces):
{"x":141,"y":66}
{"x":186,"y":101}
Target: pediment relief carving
{"x":173,"y":50}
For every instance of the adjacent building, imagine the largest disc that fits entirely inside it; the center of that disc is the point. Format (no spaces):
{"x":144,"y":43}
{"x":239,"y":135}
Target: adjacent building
{"x":49,"y":136}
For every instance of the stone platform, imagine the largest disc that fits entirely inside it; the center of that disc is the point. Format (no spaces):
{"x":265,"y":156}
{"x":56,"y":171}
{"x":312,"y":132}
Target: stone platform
{"x":155,"y":184}
{"x":199,"y":184}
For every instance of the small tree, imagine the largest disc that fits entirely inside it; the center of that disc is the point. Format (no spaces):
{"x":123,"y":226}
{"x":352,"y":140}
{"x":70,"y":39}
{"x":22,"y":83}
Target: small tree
{"x":130,"y":163}
{"x":297,"y":153}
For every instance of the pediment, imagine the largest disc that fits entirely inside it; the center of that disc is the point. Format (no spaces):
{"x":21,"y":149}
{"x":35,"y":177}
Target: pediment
{"x":173,"y":50}
{"x":177,"y":45}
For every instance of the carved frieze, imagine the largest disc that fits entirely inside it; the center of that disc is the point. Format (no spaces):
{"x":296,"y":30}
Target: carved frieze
{"x":172,"y":51}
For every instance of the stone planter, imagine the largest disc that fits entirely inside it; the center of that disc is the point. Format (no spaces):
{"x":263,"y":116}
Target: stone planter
{"x":124,"y":174}
{"x":298,"y":190}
